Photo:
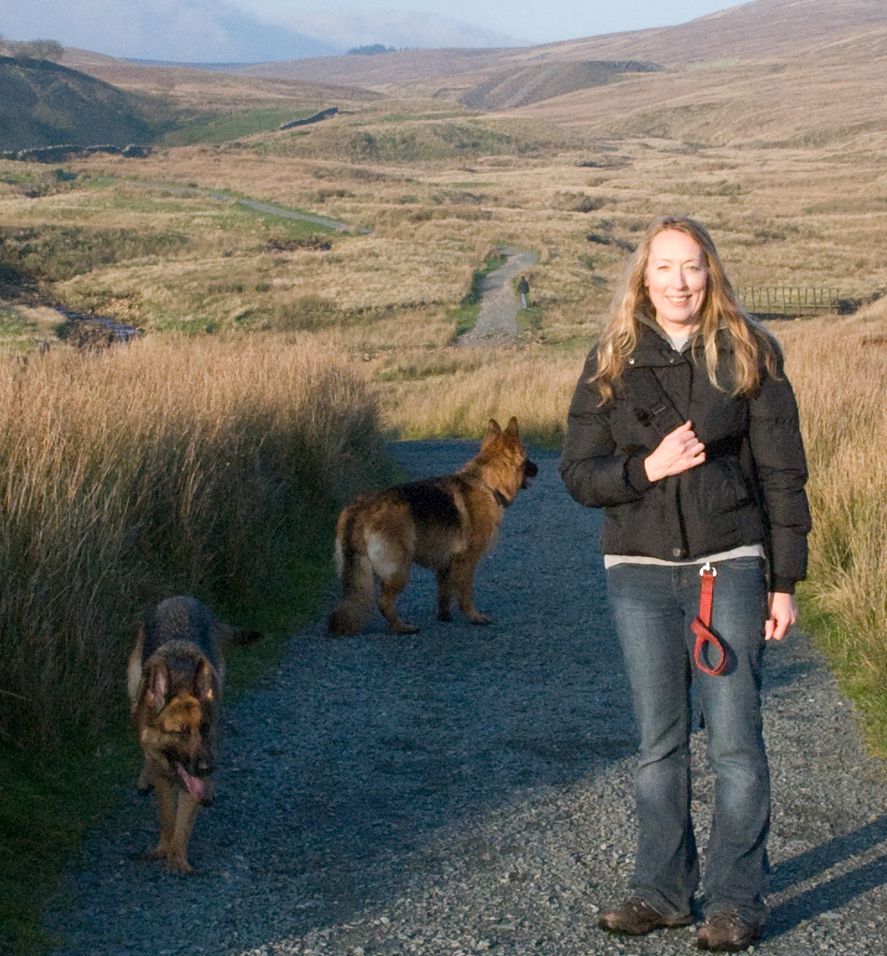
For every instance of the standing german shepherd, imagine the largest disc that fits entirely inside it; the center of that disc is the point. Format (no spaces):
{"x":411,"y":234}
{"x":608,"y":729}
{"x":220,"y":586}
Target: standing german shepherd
{"x":175,"y":677}
{"x":446,"y":523}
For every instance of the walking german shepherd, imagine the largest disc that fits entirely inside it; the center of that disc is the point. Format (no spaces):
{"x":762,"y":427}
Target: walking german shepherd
{"x":446,"y":523}
{"x":175,"y":676}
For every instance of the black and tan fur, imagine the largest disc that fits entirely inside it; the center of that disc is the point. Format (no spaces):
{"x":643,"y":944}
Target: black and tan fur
{"x":446,"y":523}
{"x":175,"y":676}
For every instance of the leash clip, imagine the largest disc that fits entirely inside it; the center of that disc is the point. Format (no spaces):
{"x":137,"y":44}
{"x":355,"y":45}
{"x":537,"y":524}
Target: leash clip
{"x":708,"y":568}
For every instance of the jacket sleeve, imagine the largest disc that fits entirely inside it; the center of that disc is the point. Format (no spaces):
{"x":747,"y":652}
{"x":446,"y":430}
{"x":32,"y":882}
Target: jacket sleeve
{"x":597,"y":473}
{"x":781,"y":468}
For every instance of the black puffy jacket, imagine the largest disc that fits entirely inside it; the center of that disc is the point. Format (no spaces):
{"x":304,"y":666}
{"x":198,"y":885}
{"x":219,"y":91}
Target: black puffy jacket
{"x":749,"y":490}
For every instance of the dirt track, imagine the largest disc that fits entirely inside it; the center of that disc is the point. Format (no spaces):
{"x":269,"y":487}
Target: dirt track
{"x":497,"y":321}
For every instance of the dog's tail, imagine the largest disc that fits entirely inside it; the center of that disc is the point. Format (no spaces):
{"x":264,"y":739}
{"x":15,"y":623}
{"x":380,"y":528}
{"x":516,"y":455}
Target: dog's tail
{"x":356,"y":574}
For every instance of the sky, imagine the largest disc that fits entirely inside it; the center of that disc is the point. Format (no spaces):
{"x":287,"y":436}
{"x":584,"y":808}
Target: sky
{"x":541,"y":21}
{"x":249,"y":30}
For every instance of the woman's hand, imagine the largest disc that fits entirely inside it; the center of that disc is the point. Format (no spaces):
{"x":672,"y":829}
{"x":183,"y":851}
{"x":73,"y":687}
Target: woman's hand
{"x":679,"y":451}
{"x":783,"y":614}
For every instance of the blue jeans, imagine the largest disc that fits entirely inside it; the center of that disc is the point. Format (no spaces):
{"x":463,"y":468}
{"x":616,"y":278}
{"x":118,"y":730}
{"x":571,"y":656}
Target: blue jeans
{"x":653,"y":607}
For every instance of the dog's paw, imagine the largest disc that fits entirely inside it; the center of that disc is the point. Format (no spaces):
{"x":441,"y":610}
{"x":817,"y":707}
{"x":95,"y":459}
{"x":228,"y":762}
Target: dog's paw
{"x":159,"y":852}
{"x":404,"y":628}
{"x":176,"y":862}
{"x":480,"y":618}
{"x":445,"y":615}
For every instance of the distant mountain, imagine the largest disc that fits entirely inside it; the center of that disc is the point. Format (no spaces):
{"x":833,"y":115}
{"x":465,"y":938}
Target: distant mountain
{"x":222,"y":31}
{"x":402,"y":29}
{"x":43,"y":104}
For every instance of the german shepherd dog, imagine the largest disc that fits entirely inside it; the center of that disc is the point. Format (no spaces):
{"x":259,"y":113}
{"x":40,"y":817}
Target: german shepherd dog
{"x":446,"y":523}
{"x":175,"y":676}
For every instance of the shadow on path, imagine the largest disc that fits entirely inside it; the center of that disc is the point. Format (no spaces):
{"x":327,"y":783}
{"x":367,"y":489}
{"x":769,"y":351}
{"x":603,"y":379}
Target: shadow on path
{"x":830,"y":895}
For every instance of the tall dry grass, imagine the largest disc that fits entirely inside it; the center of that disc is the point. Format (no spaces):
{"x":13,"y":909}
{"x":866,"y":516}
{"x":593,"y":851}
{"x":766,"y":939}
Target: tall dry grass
{"x":172,"y":466}
{"x":838,"y":367}
{"x":431,"y":395}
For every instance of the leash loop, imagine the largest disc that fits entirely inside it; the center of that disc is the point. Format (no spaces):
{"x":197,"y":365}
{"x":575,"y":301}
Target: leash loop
{"x":707,"y":642}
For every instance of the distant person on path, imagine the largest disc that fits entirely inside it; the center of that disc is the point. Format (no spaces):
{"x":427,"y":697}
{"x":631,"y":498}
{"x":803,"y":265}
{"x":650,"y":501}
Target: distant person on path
{"x":523,"y":287}
{"x":684,"y":428}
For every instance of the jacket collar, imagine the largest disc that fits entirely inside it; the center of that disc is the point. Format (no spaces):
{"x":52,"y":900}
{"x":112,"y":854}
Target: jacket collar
{"x":653,"y":325}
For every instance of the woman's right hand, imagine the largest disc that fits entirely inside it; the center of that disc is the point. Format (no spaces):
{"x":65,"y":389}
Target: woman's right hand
{"x":679,"y":451}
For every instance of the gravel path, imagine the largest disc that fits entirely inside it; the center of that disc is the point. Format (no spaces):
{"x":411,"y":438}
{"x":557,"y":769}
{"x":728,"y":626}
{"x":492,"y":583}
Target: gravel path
{"x":497,"y":319}
{"x":469,"y":790}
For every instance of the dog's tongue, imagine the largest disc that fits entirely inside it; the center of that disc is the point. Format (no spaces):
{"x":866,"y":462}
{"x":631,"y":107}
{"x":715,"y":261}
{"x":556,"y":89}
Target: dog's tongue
{"x":194,"y":785}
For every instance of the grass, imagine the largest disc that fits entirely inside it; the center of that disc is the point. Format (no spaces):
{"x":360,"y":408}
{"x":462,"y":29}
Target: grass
{"x":220,"y":476}
{"x":215,"y":128}
{"x":203,"y":481}
{"x":839,"y":373}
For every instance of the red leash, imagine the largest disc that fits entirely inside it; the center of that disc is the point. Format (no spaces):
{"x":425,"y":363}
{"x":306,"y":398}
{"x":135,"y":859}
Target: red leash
{"x":701,"y":627}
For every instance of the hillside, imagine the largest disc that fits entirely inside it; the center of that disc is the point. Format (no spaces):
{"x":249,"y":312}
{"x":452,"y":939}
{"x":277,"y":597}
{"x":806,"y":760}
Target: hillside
{"x":43,"y":103}
{"x":769,"y":71}
{"x":532,"y":84}
{"x":213,"y":90}
{"x":760,"y":30}
{"x":832,"y":92}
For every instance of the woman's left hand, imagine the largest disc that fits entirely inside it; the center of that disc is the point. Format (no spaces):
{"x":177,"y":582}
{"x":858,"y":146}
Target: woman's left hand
{"x":783,"y":614}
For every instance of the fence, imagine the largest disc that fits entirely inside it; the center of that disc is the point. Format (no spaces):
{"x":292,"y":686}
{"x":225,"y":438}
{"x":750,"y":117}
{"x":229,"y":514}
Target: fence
{"x":789,"y":300}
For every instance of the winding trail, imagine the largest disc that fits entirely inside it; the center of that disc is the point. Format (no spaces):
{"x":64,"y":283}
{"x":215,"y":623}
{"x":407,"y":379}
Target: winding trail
{"x":468,"y":790}
{"x":497,"y":320}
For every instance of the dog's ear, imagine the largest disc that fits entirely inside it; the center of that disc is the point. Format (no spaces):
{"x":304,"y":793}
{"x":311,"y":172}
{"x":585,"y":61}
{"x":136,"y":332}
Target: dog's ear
{"x":204,"y":685}
{"x":493,"y":431}
{"x":157,"y":686}
{"x":511,"y":429}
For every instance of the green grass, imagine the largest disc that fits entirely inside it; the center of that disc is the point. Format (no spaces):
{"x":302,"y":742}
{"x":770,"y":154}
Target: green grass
{"x":13,"y":325}
{"x":47,"y":802}
{"x":860,"y":684}
{"x":56,"y":253}
{"x":530,"y":319}
{"x":214,"y":128}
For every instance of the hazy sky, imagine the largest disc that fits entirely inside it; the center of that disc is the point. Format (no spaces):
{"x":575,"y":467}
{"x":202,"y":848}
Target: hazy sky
{"x":540,"y":21}
{"x":214,"y":30}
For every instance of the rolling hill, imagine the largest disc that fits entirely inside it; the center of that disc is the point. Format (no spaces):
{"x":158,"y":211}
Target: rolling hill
{"x":765,"y":72}
{"x":44,"y":104}
{"x":760,"y":30}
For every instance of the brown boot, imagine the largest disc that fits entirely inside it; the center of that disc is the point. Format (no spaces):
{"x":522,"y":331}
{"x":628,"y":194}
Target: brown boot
{"x":635,"y":917}
{"x":727,"y":932}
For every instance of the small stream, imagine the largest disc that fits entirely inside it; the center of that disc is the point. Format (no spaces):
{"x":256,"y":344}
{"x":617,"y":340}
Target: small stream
{"x":85,"y":330}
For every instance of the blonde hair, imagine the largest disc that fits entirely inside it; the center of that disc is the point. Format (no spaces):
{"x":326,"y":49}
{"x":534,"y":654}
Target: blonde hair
{"x":752,"y":344}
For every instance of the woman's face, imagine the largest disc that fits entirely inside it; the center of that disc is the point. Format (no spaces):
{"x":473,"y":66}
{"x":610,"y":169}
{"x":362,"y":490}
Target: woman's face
{"x":676,"y":278}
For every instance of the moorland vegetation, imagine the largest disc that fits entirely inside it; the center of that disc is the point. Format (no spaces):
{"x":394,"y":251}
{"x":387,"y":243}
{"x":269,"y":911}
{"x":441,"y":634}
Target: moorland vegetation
{"x":279,"y":351}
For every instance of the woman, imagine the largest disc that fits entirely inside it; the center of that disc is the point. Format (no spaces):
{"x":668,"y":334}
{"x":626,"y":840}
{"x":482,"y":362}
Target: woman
{"x":684,"y":429}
